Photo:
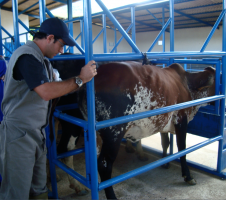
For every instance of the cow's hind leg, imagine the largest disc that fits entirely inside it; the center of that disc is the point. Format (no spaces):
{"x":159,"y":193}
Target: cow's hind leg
{"x":181,"y":131}
{"x":141,"y":156}
{"x":165,"y":145}
{"x":106,"y":159}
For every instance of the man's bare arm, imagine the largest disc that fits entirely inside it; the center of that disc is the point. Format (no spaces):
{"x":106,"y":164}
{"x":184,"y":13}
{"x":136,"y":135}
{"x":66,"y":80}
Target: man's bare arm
{"x":51,"y":90}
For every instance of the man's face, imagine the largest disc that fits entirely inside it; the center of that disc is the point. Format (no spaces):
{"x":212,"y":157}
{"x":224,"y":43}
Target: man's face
{"x":52,"y":49}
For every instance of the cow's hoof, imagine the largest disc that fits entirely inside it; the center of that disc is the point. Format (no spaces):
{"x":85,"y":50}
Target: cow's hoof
{"x":130,"y":150}
{"x":166,"y":166}
{"x":142,"y":158}
{"x":190,"y":182}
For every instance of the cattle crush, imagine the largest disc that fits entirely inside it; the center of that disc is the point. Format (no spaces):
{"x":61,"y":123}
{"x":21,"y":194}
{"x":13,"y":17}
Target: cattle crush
{"x":209,"y":121}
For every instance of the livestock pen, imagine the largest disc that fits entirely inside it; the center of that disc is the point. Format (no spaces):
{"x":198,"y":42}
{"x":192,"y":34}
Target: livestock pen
{"x":209,"y":122}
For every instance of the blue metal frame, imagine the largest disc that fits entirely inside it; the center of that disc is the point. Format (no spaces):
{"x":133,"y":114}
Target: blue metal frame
{"x":91,"y":126}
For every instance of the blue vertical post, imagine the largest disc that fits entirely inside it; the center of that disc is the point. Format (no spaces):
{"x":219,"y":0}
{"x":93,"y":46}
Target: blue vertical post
{"x":115,"y":39}
{"x":82,"y":33}
{"x":42,"y":10}
{"x":222,"y":143}
{"x":171,"y":2}
{"x":134,"y":26}
{"x":70,"y":24}
{"x":93,"y":176}
{"x":52,"y":155}
{"x":163,"y":34}
{"x":1,"y":47}
{"x":104,"y":33}
{"x":15,"y":24}
{"x":171,"y":5}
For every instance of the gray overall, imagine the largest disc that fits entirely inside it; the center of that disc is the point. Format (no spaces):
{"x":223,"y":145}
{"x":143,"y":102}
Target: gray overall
{"x":22,"y":135}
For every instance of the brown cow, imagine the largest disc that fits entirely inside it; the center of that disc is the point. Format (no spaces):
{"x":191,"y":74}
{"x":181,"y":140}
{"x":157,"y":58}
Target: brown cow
{"x":124,"y":88}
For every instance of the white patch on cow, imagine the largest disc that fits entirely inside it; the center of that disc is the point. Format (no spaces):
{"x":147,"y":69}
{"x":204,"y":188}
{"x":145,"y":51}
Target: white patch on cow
{"x":71,"y":143}
{"x":142,"y":101}
{"x":147,"y":126}
{"x":104,"y":163}
{"x":102,"y":109}
{"x":129,"y":96}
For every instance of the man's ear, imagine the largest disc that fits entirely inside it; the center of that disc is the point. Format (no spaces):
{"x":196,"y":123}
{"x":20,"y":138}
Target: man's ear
{"x":49,"y":38}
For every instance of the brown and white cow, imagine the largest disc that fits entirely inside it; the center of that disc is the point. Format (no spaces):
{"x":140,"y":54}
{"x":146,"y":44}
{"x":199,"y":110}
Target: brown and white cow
{"x":124,"y":88}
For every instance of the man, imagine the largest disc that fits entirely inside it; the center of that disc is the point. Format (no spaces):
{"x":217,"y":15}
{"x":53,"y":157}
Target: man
{"x":26,"y":104}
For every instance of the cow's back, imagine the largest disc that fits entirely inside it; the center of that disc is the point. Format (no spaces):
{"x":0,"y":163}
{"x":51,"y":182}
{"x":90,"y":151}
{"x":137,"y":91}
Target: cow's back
{"x":129,"y":87}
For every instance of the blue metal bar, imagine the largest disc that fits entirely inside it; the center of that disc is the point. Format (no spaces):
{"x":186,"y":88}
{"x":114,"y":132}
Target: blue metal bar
{"x":213,"y":30}
{"x":42,"y":9}
{"x":133,"y":22}
{"x":135,"y":56}
{"x":119,"y":27}
{"x":15,"y":23}
{"x":163,"y":34}
{"x":155,"y":164}
{"x":82,"y":33}
{"x":71,"y":172}
{"x":133,"y":117}
{"x":154,"y":16}
{"x":220,"y":158}
{"x":115,"y":39}
{"x":7,"y":32}
{"x":49,"y":13}
{"x":190,"y":163}
{"x":92,"y":174}
{"x":102,"y":30}
{"x":35,"y":16}
{"x":51,"y":155}
{"x":160,"y":34}
{"x":171,"y":6}
{"x":28,"y":8}
{"x":6,"y":48}
{"x":1,"y":45}
{"x":71,"y":153}
{"x":70,"y":25}
{"x":23,"y":25}
{"x":104,"y":33}
{"x":193,"y":18}
{"x":78,"y":36}
{"x":70,"y":119}
{"x":127,"y":30}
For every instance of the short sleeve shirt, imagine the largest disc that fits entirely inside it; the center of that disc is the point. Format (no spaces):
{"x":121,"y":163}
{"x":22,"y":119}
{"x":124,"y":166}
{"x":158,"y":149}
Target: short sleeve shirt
{"x":31,"y":70}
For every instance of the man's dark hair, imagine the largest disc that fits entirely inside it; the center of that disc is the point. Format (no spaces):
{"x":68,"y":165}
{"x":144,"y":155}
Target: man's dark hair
{"x":40,"y":35}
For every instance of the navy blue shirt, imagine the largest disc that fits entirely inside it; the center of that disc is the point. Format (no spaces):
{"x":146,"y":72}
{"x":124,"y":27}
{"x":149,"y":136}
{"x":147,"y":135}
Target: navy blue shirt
{"x":28,"y":68}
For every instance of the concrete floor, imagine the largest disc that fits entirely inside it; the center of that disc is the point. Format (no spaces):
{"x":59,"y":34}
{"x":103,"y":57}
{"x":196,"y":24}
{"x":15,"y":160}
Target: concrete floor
{"x":158,"y":183}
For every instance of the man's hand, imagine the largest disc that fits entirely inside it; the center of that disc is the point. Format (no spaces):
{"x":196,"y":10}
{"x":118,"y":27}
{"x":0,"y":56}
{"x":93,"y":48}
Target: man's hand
{"x":88,"y":71}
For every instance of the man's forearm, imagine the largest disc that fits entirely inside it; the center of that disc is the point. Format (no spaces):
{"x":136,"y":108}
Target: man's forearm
{"x":51,"y":90}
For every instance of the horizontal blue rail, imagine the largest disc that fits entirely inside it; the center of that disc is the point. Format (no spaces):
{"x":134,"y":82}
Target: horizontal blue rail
{"x":139,"y":56}
{"x":133,"y":117}
{"x":155,"y":164}
{"x":71,"y":153}
{"x":73,"y":173}
{"x":189,"y":162}
{"x":71,"y":119}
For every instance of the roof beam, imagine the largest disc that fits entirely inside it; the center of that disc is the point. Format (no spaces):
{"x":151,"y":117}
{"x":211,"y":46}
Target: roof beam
{"x":2,"y":2}
{"x":191,"y":17}
{"x":61,"y":1}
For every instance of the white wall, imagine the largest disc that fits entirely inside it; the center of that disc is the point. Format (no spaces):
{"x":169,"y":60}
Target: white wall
{"x":7,"y":23}
{"x":191,"y":39}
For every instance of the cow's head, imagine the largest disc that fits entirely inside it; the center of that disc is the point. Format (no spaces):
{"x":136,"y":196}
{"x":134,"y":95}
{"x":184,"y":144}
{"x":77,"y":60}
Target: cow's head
{"x":202,"y":83}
